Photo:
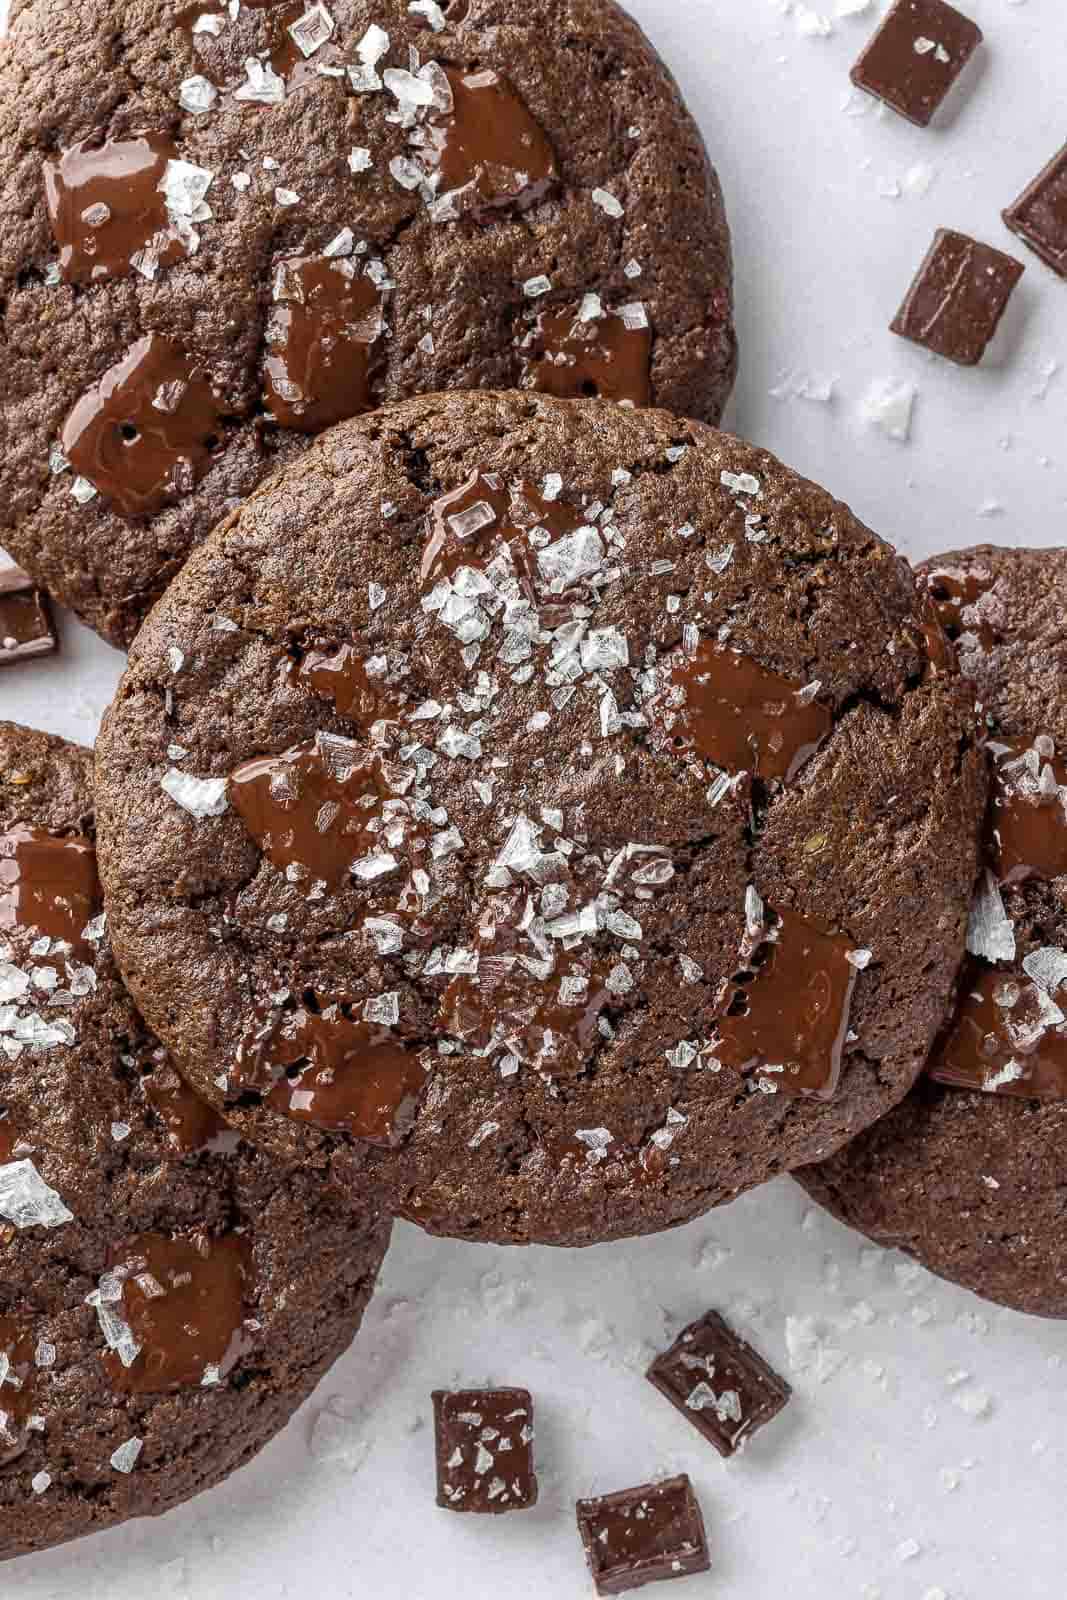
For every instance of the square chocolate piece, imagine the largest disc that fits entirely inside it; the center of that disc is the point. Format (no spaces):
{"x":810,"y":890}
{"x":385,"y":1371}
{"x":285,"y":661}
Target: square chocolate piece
{"x":643,"y":1535}
{"x":484,"y":1441}
{"x":1039,"y":216}
{"x":916,"y":56}
{"x":958,"y":297}
{"x":26,"y":627}
{"x":719,"y":1383}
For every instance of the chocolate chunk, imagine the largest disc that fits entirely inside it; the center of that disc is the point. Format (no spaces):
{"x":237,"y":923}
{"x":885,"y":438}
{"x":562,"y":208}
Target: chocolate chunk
{"x":108,"y":211}
{"x":484,"y":1445}
{"x":916,"y":56}
{"x":956,"y":595}
{"x":48,"y":888}
{"x":739,"y":716}
{"x":183,"y":1298}
{"x":26,"y":626}
{"x":342,"y":676}
{"x":484,"y":148}
{"x":1027,"y":815}
{"x":18,"y":1375}
{"x":325,"y":1066}
{"x":1008,"y":1037}
{"x":786,"y":1012}
{"x":326,"y":810}
{"x":643,"y":1535}
{"x":719,"y":1383}
{"x":1039,"y":216}
{"x":147,"y":432}
{"x":605,"y":353}
{"x":326,"y":320}
{"x":958,"y":297}
{"x":191,"y":1125}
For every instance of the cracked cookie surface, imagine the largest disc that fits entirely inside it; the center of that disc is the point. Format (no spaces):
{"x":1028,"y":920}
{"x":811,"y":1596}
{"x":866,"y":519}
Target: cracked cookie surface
{"x":546,"y":812}
{"x":168,"y":1295}
{"x":278,"y":218}
{"x":968,"y":1173}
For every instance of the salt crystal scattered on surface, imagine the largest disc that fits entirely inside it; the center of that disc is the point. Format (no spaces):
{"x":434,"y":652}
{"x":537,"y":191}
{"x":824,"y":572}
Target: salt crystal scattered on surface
{"x":888,"y":406}
{"x":201,"y":797}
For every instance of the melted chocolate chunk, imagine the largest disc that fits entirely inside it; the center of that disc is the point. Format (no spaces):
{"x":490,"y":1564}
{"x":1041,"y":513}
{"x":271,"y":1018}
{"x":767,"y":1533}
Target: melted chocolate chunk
{"x":1009,"y":1037}
{"x":786,"y":1012}
{"x":48,"y":887}
{"x":26,"y":626}
{"x":1039,"y":216}
{"x":916,"y":56}
{"x":958,"y":297}
{"x":326,"y":319}
{"x":469,"y":526}
{"x":106,"y":209}
{"x":192,"y":1126}
{"x":148,"y":431}
{"x":955,"y":596}
{"x":335,"y":1071}
{"x":330,"y":807}
{"x":736,"y":714}
{"x":340,"y":675}
{"x":719,"y":1383}
{"x":184,"y":1299}
{"x":488,"y":152}
{"x":1027,"y":815}
{"x":484,"y":1449}
{"x":607,"y":355}
{"x":9,"y":1138}
{"x":643,"y":1535}
{"x":18,"y":1383}
{"x":544,"y":1011}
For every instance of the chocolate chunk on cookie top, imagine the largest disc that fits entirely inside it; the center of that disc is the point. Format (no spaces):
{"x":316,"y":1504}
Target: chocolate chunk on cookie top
{"x":491,"y":813}
{"x":643,"y":1535}
{"x":26,"y":626}
{"x":168,"y":1297}
{"x":484,"y":1444}
{"x":300,"y":211}
{"x":1039,"y":216}
{"x":967,"y":1174}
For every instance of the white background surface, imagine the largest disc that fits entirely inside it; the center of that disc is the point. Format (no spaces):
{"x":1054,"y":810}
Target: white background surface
{"x":924,"y":1455}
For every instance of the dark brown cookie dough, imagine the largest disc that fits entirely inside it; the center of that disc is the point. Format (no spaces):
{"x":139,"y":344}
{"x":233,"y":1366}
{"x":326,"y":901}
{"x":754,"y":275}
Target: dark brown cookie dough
{"x":128,"y":1210}
{"x":506,"y":889}
{"x":973,"y":1183}
{"x":476,"y":195}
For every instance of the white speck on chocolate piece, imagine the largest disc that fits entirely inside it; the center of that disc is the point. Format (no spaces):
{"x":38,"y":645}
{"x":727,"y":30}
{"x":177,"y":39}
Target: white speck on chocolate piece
{"x":197,"y":94}
{"x":26,"y":1200}
{"x":860,"y":959}
{"x":124,"y":1459}
{"x":201,"y":797}
{"x":286,"y":197}
{"x":40,"y":1482}
{"x":359,"y":159}
{"x":596,"y":1141}
{"x":1047,"y":967}
{"x":740,"y":482}
{"x":262,"y":84}
{"x":383,"y":1009}
{"x":82,"y":491}
{"x":634,"y":316}
{"x":364,"y":79}
{"x":990,"y":932}
{"x":607,"y":202}
{"x":539,"y":285}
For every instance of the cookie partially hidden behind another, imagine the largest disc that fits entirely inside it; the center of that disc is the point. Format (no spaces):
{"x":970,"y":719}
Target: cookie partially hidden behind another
{"x":969,"y":1173}
{"x":168,"y":1297}
{"x":543,"y":813}
{"x":256,"y":220}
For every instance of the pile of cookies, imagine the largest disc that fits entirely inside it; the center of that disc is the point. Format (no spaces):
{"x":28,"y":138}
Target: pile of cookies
{"x":526,"y":809}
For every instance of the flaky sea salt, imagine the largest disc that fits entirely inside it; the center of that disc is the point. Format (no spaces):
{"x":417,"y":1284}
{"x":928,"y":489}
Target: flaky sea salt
{"x":201,"y":797}
{"x":27,"y":1201}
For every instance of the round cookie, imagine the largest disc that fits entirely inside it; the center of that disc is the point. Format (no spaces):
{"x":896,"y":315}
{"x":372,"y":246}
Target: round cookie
{"x":439,"y":797}
{"x":168,"y":1297}
{"x":225,"y":232}
{"x":969,"y":1174}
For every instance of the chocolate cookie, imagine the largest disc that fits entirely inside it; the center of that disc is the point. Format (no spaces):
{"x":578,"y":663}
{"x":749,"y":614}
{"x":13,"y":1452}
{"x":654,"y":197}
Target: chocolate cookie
{"x":238,"y":228}
{"x":532,"y":808}
{"x":168,"y":1297}
{"x":970,"y":1173}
